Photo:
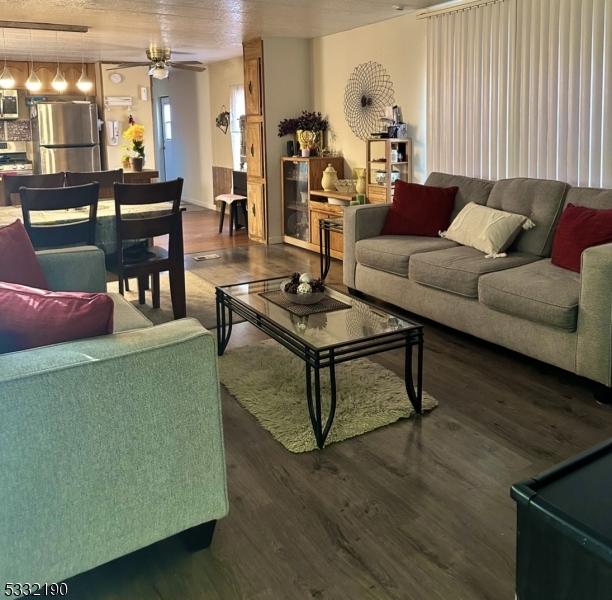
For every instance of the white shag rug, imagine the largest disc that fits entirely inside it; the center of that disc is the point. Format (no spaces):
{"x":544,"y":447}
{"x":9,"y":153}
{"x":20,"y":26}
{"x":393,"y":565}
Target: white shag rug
{"x":270,"y":382}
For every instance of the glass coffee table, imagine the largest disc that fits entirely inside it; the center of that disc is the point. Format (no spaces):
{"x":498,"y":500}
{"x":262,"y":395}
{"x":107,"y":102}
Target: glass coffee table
{"x":323,"y":340}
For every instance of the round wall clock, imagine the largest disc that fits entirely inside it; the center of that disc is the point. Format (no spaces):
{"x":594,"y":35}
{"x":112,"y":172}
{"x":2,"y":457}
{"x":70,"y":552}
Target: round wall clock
{"x":116,"y":77}
{"x":368,"y":91}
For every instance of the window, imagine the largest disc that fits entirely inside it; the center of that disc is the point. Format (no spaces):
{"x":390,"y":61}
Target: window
{"x":237,"y":127}
{"x":522,"y":88}
{"x":167,"y":120}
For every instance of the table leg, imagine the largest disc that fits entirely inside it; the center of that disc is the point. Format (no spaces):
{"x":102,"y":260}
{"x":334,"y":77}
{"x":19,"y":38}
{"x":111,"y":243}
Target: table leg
{"x":224,"y":323}
{"x":321,"y":267}
{"x":327,"y":252}
{"x":221,"y":217}
{"x":320,"y":427}
{"x":415,"y":394}
{"x":324,"y":250}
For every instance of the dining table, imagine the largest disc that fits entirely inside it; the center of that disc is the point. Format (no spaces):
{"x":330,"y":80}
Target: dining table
{"x":106,"y":228}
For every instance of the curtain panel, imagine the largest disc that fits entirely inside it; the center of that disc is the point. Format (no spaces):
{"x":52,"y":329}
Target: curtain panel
{"x":522,"y":88}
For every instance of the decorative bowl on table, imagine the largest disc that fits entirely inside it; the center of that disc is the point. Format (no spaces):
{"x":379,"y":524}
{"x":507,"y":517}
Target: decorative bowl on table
{"x":303,"y":289}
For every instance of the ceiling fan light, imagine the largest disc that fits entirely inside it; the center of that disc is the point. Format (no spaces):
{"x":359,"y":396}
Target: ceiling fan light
{"x":159,"y":72}
{"x":6,"y":79}
{"x":84,"y":83}
{"x":33,"y":82}
{"x":59,"y":83}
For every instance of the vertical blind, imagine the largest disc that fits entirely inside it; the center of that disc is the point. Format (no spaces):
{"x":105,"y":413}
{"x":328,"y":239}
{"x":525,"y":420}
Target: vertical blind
{"x":522,"y":88}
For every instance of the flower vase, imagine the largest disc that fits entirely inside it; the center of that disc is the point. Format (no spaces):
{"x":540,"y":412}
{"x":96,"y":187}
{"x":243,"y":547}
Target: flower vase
{"x":137,"y":164}
{"x":360,"y":185}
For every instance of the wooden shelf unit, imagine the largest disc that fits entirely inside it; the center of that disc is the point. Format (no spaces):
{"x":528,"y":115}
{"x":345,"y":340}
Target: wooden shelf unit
{"x":378,"y":158}
{"x":304,"y":202}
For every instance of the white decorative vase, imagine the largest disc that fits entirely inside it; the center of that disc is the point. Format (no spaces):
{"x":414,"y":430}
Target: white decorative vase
{"x":360,"y":186}
{"x":330,"y":178}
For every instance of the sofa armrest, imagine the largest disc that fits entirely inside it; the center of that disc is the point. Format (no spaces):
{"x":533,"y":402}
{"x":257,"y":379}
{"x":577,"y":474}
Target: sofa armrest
{"x":360,"y":222}
{"x":594,"y":345}
{"x":80,"y":269}
{"x":107,"y":445}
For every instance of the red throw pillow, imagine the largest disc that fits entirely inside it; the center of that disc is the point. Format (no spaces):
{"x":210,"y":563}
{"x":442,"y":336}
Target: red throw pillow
{"x":580,"y":228}
{"x":419,"y":209}
{"x":30,"y":317}
{"x":18,"y":262}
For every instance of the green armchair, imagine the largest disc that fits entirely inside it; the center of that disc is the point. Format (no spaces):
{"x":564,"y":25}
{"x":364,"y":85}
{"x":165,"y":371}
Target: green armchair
{"x":107,"y":444}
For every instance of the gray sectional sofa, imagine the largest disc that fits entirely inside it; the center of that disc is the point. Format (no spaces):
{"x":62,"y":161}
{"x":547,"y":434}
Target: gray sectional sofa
{"x":522,"y":302}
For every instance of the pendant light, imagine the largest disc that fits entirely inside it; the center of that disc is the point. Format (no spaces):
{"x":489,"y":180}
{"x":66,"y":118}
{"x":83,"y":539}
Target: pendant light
{"x":58,"y":83}
{"x":84,"y":83}
{"x":7,"y":80}
{"x":33,"y":82}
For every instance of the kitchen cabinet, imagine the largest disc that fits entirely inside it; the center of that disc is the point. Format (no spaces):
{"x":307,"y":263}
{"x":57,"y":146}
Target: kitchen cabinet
{"x":255,"y":140}
{"x":256,"y":211}
{"x":46,"y":71}
{"x":254,"y":150}
{"x":253,"y":83}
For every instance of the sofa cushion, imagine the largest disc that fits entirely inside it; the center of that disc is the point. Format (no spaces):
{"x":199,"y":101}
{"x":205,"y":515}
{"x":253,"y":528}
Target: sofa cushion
{"x":539,"y":199}
{"x":391,"y":253}
{"x":580,"y":228}
{"x":539,"y":292}
{"x":419,"y":209}
{"x":127,"y":316}
{"x":18,"y":262}
{"x":598,"y":198}
{"x":486,"y":229}
{"x":470,"y":188}
{"x":31,"y":317}
{"x":458,"y":269}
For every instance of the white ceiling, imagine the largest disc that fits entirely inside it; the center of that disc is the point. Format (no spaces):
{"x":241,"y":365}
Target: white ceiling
{"x":207,"y":30}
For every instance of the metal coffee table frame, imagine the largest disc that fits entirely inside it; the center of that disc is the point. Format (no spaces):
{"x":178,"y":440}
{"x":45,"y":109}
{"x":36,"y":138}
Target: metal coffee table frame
{"x":316,"y":359}
{"x":326,"y":226}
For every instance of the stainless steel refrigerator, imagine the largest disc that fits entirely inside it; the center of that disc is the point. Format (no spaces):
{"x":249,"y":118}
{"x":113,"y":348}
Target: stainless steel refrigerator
{"x":65,"y":136}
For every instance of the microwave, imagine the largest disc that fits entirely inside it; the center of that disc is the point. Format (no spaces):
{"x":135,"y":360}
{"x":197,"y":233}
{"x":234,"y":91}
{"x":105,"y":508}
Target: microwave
{"x":9,"y":104}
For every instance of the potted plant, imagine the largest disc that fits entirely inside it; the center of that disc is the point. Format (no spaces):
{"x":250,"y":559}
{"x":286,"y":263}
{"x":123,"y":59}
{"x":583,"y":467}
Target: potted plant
{"x":134,"y":135}
{"x":309,"y":127}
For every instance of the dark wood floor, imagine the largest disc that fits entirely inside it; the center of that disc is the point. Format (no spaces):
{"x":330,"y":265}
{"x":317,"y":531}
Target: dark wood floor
{"x":419,"y":510}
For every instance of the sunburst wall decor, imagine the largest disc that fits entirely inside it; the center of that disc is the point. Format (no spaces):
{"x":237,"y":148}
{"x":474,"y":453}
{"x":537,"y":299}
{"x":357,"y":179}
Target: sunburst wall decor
{"x":368,"y":90}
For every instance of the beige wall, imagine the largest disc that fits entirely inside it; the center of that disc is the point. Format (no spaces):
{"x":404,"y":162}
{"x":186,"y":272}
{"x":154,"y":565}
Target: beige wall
{"x":400,"y":46}
{"x":222,"y":76}
{"x":288,"y":91}
{"x":133,"y":79}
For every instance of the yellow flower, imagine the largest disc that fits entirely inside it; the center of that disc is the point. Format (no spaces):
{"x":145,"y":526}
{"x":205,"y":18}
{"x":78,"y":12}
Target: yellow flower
{"x":134,"y":133}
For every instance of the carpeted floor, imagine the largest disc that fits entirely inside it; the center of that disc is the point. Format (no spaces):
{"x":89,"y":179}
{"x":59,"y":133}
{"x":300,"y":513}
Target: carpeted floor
{"x":269,"y":382}
{"x":200,"y":300}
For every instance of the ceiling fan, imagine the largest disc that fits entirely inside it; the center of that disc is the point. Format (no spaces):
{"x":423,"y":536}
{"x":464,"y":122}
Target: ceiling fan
{"x":159,"y":63}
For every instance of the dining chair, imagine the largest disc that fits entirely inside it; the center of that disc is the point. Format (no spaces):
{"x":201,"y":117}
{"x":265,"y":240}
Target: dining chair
{"x":154,"y":260}
{"x":237,"y":197}
{"x":12,"y":183}
{"x":106,"y":179}
{"x":73,"y":231}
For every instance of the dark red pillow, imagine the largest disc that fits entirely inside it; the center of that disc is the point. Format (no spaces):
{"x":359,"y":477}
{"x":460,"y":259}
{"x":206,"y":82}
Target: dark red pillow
{"x":580,"y":228}
{"x":419,"y":209}
{"x":18,"y":262}
{"x":30,"y":317}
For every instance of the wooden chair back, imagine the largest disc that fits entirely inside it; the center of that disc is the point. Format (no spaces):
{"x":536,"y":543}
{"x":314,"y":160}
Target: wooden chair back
{"x":12,"y":183}
{"x":239,"y":183}
{"x":106,"y":179}
{"x":70,"y":233}
{"x":136,"y":228}
{"x":222,"y":181}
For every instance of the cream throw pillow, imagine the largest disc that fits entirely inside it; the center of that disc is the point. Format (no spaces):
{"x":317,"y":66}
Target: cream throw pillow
{"x":489,"y":230}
